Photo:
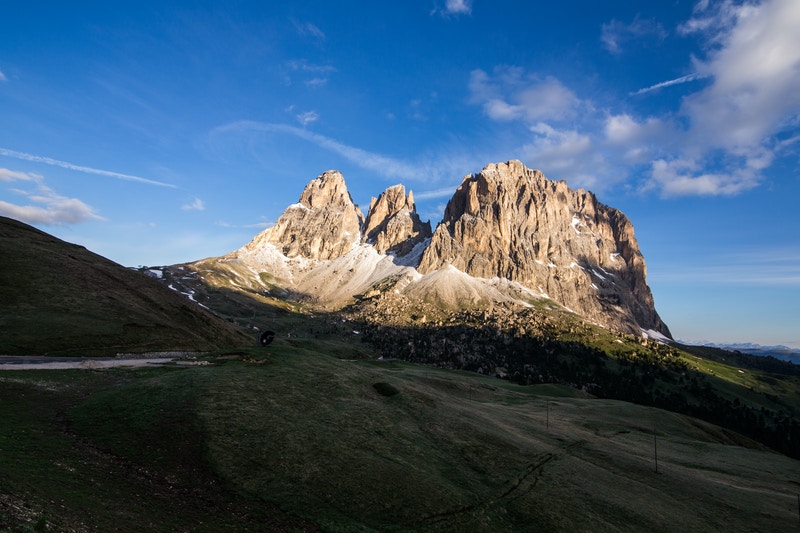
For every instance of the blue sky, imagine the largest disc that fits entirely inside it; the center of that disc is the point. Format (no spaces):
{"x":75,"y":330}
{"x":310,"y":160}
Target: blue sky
{"x":164,"y":132}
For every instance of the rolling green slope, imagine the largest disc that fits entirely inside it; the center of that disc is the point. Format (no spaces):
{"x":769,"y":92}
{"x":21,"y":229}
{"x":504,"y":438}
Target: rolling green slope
{"x":57,"y":298}
{"x":314,"y":433}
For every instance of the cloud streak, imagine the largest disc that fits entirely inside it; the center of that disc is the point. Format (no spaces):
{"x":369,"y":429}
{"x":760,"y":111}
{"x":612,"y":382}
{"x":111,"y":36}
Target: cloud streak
{"x":669,"y":83}
{"x":380,"y":164}
{"x":78,"y":168}
{"x":767,"y":268}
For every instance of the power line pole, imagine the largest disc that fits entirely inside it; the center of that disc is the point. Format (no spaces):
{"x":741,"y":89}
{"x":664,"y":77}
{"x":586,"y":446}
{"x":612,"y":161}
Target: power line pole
{"x":655,"y":447}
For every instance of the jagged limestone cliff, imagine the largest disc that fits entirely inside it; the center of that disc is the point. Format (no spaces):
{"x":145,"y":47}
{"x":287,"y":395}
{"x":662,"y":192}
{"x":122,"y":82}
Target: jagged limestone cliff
{"x":511,"y":222}
{"x":324,"y":224}
{"x":392,"y":223}
{"x":508,"y":234}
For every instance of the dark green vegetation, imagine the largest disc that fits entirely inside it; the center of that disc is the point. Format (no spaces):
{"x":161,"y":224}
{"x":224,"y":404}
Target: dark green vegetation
{"x":757,"y":397}
{"x":308,"y":434}
{"x":60,"y":299}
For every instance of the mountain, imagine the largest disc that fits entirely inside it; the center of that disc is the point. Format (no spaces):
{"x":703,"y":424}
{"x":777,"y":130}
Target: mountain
{"x":511,"y":222}
{"x":61,"y":299}
{"x":784,"y":353}
{"x":509,"y":235}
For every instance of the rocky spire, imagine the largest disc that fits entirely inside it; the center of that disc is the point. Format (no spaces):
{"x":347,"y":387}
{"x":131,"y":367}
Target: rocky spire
{"x":324,"y":224}
{"x":393,"y":224}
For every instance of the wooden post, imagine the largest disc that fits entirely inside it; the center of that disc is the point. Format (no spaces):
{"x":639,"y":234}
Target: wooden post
{"x":547,"y":419}
{"x":655,"y":447}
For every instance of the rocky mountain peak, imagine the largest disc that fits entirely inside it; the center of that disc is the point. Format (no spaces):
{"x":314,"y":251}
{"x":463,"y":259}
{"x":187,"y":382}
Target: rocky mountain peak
{"x":506,"y":223}
{"x":393,"y":224}
{"x":324,"y":224}
{"x":511,"y":222}
{"x":327,"y":190}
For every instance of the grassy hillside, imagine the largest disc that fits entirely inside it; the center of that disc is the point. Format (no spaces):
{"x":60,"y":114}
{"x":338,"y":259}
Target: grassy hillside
{"x":60,"y":299}
{"x":314,"y":433}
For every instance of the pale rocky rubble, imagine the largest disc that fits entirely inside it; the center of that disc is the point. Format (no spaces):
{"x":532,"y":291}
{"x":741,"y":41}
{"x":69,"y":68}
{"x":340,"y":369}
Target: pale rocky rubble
{"x":508,"y":234}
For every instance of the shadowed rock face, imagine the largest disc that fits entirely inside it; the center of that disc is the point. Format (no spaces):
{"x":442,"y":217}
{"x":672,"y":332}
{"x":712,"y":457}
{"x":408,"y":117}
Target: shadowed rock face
{"x":506,"y":222}
{"x":392,"y":223}
{"x":511,"y":222}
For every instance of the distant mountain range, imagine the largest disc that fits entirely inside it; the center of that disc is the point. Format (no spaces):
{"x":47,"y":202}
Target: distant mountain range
{"x":784,"y":353}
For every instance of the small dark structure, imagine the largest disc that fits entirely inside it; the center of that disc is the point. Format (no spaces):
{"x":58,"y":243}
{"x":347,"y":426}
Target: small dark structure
{"x":266,"y":338}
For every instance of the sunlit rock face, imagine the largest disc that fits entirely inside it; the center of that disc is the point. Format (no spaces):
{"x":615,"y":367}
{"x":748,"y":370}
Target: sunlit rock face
{"x":511,"y":222}
{"x":507,"y":222}
{"x":324,"y":224}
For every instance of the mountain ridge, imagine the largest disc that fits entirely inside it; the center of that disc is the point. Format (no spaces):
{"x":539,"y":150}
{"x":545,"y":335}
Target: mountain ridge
{"x":506,"y":222}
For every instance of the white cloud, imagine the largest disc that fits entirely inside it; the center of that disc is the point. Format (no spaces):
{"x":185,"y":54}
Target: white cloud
{"x":510,"y":94}
{"x":86,"y":170}
{"x":565,"y":154}
{"x":3,"y":76}
{"x":682,"y":177}
{"x":756,"y":76}
{"x":720,"y":140}
{"x":47,"y":207}
{"x":307,"y":117}
{"x":195,"y":205}
{"x":734,"y":124}
{"x":615,"y":33}
{"x":454,"y":7}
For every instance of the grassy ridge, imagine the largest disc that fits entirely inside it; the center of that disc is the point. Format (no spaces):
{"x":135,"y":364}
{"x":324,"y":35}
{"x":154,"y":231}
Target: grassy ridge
{"x":60,"y":299}
{"x":309,"y":433}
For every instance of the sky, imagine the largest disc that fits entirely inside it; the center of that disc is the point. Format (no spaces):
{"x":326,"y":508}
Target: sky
{"x":158,"y":132}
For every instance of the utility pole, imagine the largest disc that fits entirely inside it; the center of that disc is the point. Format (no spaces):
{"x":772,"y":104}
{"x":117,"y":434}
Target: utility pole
{"x":547,"y":419}
{"x":655,"y":447}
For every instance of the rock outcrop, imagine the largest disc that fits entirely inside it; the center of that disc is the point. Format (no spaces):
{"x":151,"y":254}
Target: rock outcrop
{"x":393,"y":225}
{"x":324,"y":224}
{"x":511,"y":222}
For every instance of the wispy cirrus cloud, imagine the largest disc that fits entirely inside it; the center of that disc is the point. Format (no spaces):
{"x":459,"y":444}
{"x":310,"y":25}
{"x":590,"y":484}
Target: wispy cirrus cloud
{"x":777,"y":267}
{"x":677,"y":81}
{"x":431,"y":168}
{"x":78,"y":168}
{"x":380,"y":164}
{"x":308,"y":29}
{"x":46,"y":206}
{"x":615,"y":33}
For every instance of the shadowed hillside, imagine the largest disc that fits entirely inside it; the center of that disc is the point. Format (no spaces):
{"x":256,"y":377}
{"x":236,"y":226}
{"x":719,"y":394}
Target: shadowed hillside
{"x":313,"y":433}
{"x":61,"y":299}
